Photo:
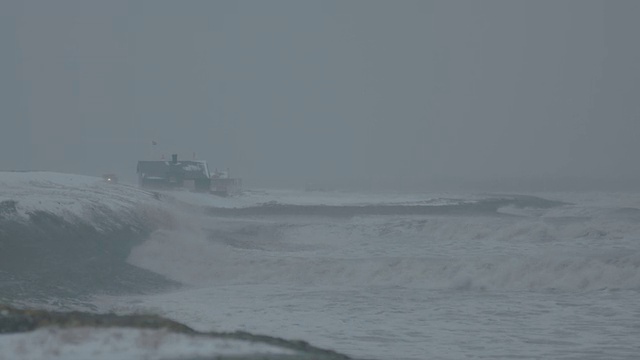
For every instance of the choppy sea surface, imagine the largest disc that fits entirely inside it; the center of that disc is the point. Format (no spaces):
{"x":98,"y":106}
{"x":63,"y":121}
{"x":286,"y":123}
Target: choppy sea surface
{"x":550,"y":276}
{"x":399,"y":276}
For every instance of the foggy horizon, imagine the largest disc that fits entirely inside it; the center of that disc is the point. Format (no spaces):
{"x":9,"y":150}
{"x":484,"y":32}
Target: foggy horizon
{"x":415,"y":179}
{"x":430,"y":95}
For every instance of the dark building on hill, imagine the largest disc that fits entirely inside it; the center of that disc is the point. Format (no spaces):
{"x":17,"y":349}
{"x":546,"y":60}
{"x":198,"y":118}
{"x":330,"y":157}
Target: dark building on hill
{"x":163,"y":174}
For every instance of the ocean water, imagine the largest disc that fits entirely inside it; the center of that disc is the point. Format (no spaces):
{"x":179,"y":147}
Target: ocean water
{"x":550,"y":276}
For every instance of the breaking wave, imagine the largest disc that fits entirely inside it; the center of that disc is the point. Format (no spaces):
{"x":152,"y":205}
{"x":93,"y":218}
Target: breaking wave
{"x":560,"y":250}
{"x":493,"y":243}
{"x":486,"y":206}
{"x":47,"y":255}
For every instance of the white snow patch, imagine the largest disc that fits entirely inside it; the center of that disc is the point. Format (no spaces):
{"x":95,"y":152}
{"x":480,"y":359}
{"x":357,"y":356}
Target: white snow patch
{"x":71,"y":196}
{"x":124,"y":343}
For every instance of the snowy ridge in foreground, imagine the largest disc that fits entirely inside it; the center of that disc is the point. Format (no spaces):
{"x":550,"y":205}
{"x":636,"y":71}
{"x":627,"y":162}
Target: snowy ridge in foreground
{"x":37,"y":334}
{"x":126,"y":343}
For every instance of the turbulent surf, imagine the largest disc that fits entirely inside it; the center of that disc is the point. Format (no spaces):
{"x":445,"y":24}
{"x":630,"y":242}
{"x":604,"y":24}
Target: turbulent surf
{"x":379,"y":276}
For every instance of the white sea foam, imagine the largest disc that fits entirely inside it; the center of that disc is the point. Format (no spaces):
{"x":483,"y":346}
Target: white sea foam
{"x":535,"y":283}
{"x":442,"y":253}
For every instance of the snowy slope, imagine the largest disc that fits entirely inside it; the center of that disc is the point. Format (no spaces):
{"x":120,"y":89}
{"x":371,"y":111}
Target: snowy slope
{"x":73,"y":197}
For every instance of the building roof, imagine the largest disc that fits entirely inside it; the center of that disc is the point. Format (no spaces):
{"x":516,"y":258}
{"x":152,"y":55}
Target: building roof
{"x":187,"y":169}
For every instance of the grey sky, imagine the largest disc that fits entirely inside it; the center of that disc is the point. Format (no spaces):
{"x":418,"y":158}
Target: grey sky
{"x":340,"y":92}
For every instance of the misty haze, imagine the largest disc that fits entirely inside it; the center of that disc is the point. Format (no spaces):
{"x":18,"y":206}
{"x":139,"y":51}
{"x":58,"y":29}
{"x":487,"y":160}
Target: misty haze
{"x":381,"y":179}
